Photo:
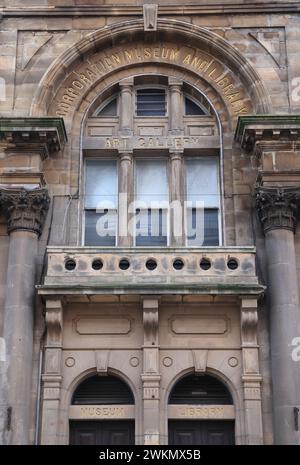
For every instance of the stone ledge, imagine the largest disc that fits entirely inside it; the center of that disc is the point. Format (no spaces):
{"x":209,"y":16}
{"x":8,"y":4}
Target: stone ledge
{"x":271,"y":129}
{"x":150,"y":289}
{"x":209,"y":271}
{"x":42,"y":135}
{"x":124,"y":10}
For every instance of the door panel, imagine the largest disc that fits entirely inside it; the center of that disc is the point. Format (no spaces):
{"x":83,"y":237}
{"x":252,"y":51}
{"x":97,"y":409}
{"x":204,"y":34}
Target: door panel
{"x":102,"y":433}
{"x":201,"y":432}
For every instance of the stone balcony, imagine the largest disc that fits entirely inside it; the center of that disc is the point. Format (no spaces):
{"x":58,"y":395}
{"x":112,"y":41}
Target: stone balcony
{"x":118,"y":271}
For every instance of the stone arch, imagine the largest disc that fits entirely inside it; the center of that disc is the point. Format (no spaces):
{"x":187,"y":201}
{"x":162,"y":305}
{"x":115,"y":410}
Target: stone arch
{"x":209,"y":371}
{"x":173,"y":31}
{"x":234,"y":389}
{"x":75,"y":383}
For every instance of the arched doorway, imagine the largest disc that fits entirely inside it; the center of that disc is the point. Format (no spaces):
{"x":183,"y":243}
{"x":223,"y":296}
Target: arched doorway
{"x":102,"y":412}
{"x":201,"y":412}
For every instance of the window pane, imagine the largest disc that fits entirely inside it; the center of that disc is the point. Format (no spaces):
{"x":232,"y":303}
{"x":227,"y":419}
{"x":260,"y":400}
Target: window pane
{"x":150,"y":102}
{"x":151,"y":227}
{"x":202,"y":227}
{"x":191,"y":108}
{"x":110,"y":109}
{"x":100,"y":228}
{"x":151,"y":195}
{"x":202,"y":181}
{"x":101,"y":184}
{"x":151,"y":181}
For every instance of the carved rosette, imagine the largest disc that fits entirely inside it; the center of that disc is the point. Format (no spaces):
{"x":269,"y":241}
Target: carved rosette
{"x":277,"y":207}
{"x":24,"y":210}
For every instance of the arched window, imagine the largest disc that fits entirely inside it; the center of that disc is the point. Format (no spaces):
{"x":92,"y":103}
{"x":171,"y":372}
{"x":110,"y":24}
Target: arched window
{"x":109,"y":109}
{"x":101,"y":390}
{"x":151,"y":102}
{"x":146,"y":122}
{"x":200,"y":389}
{"x":192,"y":108}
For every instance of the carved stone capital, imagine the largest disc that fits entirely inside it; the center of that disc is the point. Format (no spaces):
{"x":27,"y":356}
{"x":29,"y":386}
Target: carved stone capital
{"x":278,"y":207}
{"x":24,"y":210}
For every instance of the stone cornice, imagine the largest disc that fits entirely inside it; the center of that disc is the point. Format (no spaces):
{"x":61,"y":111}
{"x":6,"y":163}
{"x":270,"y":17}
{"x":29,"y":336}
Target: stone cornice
{"x":24,"y":210}
{"x":278,"y":207}
{"x":268,"y":132}
{"x":171,"y":10}
{"x":37,"y":135}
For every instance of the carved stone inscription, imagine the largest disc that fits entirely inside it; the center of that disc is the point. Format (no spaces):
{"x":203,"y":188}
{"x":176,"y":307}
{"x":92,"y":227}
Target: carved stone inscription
{"x":201,"y":411}
{"x":205,"y":65}
{"x":96,"y":412}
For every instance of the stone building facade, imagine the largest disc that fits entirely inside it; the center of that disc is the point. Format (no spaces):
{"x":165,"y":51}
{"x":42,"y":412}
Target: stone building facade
{"x":124,"y":323}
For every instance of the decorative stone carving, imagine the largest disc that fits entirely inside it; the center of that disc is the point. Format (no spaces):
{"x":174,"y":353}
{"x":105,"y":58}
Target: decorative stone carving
{"x":150,"y":17}
{"x":70,"y":362}
{"x":278,"y":207}
{"x":54,"y":322}
{"x":233,"y":362}
{"x":150,"y":319}
{"x":249,"y":320}
{"x":200,"y":360}
{"x":167,"y":361}
{"x":25,"y":210}
{"x":134,"y":361}
{"x":102,"y":359}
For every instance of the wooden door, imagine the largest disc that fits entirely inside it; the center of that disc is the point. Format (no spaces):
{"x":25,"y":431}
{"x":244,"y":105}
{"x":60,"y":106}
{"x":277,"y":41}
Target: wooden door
{"x":194,"y":433}
{"x":111,"y":433}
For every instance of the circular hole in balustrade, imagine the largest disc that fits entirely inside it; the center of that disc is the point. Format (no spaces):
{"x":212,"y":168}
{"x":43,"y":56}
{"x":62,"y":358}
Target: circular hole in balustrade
{"x":151,"y":264}
{"x":97,"y":264}
{"x":205,"y":264}
{"x":70,"y":265}
{"x":232,"y":264}
{"x":178,"y":264}
{"x":124,"y":264}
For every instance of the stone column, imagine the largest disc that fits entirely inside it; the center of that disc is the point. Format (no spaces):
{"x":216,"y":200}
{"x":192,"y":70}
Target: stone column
{"x":278,"y":210}
{"x":251,"y":378}
{"x":177,"y":199}
{"x":126,"y":107}
{"x":25,"y":212}
{"x":176,"y":106}
{"x":52,"y":373}
{"x":151,"y":374}
{"x":125,"y":180}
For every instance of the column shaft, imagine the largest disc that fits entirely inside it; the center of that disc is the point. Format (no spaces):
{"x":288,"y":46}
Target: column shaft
{"x":177,"y":200}
{"x":176,"y":111}
{"x":126,"y":107}
{"x":278,"y":209}
{"x":25,"y":212}
{"x":285,"y":326}
{"x":125,"y":198}
{"x":18,"y":331}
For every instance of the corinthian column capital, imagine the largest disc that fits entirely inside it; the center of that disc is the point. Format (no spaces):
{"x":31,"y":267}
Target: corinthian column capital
{"x":278,"y":207}
{"x":24,"y":210}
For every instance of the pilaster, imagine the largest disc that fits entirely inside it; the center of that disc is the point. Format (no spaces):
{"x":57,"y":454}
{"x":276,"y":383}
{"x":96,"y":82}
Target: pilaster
{"x":151,"y":374}
{"x":251,"y":377}
{"x":52,"y":376}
